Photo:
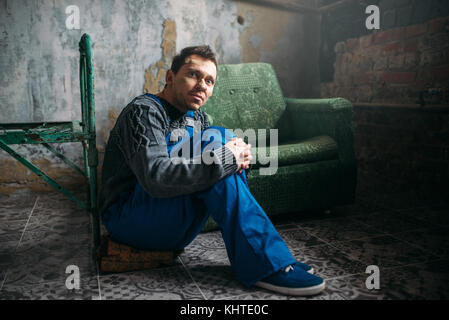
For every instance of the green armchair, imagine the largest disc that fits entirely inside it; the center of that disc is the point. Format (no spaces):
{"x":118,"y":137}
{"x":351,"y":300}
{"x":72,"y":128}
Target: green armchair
{"x":315,"y":166}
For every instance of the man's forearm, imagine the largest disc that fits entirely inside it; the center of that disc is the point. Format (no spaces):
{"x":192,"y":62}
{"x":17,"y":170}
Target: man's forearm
{"x":162,"y":176}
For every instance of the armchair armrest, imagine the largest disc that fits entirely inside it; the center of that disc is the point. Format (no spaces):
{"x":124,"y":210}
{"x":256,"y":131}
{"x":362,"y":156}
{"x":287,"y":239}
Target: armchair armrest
{"x":332,"y":117}
{"x":319,"y":105}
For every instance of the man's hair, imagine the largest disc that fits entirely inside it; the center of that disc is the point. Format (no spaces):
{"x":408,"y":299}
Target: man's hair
{"x":203,"y":51}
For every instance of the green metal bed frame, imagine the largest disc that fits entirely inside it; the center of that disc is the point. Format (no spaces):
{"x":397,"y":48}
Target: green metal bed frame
{"x":44,"y":133}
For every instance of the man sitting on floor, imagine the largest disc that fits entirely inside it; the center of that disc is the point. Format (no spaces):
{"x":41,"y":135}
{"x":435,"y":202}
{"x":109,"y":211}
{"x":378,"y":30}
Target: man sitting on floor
{"x":152,"y":198}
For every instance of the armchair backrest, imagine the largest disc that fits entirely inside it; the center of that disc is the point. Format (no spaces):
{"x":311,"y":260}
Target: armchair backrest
{"x":246,"y":96}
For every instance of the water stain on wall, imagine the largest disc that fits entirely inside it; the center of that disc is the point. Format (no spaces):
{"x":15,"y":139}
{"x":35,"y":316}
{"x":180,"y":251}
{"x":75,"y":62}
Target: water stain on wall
{"x":262,"y":28}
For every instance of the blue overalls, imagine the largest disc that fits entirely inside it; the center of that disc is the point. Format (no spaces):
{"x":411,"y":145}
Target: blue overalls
{"x":255,"y":249}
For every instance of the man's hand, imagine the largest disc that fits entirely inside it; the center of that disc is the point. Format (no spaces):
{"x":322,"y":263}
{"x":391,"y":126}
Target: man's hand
{"x":241,"y":151}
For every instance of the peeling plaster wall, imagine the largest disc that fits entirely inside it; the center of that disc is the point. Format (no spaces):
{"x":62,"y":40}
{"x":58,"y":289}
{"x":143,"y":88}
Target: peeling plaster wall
{"x":133,"y":43}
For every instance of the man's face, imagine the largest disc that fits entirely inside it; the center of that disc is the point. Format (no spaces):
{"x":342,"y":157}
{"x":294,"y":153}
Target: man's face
{"x":193,"y":84}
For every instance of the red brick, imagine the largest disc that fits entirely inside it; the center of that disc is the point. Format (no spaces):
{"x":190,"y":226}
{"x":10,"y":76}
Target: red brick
{"x":364,"y":93}
{"x":366,"y":41}
{"x":352,"y":44}
{"x":424,"y":77}
{"x":411,"y":46}
{"x":396,"y":62}
{"x":380,"y":63}
{"x":389,"y":35}
{"x":362,"y":78}
{"x":446,"y":56}
{"x":435,"y":58}
{"x":382,"y":36}
{"x":398,"y":77}
{"x":399,"y":33}
{"x":439,"y":41}
{"x":347,"y":57}
{"x":411,"y":60}
{"x":393,"y":46}
{"x":440,"y":73}
{"x":438,"y":25}
{"x":416,"y":30}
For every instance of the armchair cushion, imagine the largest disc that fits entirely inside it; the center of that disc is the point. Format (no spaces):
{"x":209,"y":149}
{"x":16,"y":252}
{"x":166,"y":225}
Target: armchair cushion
{"x":314,"y":149}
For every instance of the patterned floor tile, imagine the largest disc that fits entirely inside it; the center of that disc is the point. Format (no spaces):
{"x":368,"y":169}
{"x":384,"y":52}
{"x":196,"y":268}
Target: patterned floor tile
{"x":206,"y":249}
{"x":392,"y":286}
{"x":347,"y":288}
{"x":20,"y":202}
{"x":8,"y":246}
{"x":88,"y":290}
{"x":328,"y":293}
{"x":14,"y":214}
{"x":437,"y":216}
{"x":286,"y":227}
{"x":351,"y":287}
{"x":433,"y":240}
{"x":65,"y":207}
{"x":13,"y":227}
{"x":217,"y":281}
{"x":339,"y":246}
{"x":9,"y":241}
{"x":328,"y":261}
{"x":299,"y":238}
{"x":7,"y":250}
{"x":383,"y":251}
{"x":339,"y":229}
{"x":46,"y":238}
{"x":211,"y":240}
{"x":19,"y":199}
{"x":393,"y":221}
{"x":59,"y":223}
{"x":258,"y":294}
{"x":197,"y":255}
{"x":6,"y":258}
{"x":419,"y":281}
{"x":37,"y":264}
{"x":3,"y":270}
{"x":172,"y":283}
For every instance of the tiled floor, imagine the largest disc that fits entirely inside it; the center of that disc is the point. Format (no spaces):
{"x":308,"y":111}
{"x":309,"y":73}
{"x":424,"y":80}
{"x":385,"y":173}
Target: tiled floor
{"x":405,"y":234}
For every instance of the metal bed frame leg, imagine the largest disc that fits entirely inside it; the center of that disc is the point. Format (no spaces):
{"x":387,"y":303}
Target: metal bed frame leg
{"x":88,"y":120}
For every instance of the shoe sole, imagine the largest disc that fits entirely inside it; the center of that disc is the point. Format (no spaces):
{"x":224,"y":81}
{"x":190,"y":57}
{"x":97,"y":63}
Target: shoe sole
{"x":308,"y":291}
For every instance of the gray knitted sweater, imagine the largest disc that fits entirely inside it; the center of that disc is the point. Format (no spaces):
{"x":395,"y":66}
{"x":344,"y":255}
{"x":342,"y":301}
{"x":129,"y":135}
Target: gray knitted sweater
{"x":137,"y":151}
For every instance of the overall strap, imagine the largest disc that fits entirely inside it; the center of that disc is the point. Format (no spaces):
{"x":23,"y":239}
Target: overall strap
{"x":159,"y":103}
{"x":190,"y":122}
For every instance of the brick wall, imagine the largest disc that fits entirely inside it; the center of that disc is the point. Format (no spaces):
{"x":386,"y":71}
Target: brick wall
{"x":347,"y":20}
{"x":393,"y":65}
{"x":407,"y":146}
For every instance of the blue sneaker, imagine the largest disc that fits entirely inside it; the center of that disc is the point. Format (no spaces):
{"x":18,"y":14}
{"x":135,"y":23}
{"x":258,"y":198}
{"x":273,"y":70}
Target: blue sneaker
{"x":305,"y":267}
{"x":293,"y":281}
